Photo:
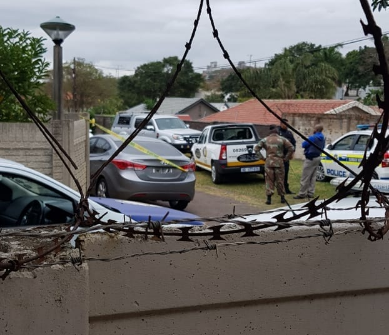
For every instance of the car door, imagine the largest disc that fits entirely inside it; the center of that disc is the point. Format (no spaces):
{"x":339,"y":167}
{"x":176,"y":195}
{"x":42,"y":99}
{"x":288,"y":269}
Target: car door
{"x":99,"y":152}
{"x":343,"y":151}
{"x":200,"y":150}
{"x":149,"y":130}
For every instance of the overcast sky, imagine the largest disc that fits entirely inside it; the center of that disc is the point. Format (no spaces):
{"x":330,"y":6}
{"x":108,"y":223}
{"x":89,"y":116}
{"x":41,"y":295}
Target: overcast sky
{"x":119,"y":35}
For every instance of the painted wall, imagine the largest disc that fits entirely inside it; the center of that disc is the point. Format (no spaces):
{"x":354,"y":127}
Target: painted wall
{"x":24,"y":143}
{"x":303,"y":286}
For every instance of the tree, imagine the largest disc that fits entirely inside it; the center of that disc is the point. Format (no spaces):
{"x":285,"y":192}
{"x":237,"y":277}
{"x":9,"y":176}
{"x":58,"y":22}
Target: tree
{"x":86,"y":87}
{"x":23,"y":65}
{"x":150,"y":80}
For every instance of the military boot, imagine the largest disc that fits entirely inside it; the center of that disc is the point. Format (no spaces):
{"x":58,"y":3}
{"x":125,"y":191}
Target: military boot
{"x":268,"y":201}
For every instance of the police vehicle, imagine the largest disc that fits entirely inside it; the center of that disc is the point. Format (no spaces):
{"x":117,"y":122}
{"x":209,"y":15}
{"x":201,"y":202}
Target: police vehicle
{"x":349,"y":150}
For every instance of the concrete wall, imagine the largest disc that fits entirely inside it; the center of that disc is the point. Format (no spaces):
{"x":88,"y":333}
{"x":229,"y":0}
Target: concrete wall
{"x":24,"y":143}
{"x":299,"y":287}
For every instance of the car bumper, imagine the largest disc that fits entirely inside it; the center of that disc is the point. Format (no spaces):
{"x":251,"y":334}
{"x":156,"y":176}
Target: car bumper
{"x":183,"y":147}
{"x":222,"y":168}
{"x":136,"y":189}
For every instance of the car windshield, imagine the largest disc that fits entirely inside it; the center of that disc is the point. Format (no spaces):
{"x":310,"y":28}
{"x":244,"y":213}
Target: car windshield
{"x":157,"y":147}
{"x":170,"y":123}
{"x":24,"y":186}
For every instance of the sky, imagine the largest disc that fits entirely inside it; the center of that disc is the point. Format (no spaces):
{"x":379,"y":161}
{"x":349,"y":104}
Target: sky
{"x":117,"y":36}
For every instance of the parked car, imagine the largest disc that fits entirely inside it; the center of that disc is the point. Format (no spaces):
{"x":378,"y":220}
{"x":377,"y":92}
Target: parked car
{"x":349,"y":149}
{"x":168,"y":128}
{"x":228,"y":149}
{"x":140,"y":211}
{"x":136,"y":175}
{"x":28,"y":197}
{"x":343,"y":209}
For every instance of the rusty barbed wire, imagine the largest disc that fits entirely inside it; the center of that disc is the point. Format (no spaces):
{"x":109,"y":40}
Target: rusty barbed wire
{"x":208,"y":247}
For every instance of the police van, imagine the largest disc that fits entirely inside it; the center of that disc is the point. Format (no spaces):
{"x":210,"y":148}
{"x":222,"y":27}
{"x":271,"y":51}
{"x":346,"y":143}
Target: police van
{"x":349,"y":150}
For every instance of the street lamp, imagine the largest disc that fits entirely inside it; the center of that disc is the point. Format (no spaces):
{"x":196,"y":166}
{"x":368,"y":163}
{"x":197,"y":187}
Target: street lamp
{"x":58,"y":30}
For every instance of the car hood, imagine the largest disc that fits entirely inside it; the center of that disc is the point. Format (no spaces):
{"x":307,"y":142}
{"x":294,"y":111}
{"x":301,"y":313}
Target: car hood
{"x":379,"y":184}
{"x":334,"y":211}
{"x":180,"y":131}
{"x":141,"y":211}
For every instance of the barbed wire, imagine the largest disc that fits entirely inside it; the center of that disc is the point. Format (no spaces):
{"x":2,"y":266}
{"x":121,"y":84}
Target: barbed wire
{"x":78,"y":260}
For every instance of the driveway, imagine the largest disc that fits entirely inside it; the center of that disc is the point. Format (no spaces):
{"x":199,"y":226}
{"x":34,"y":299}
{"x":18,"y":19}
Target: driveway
{"x":208,"y":205}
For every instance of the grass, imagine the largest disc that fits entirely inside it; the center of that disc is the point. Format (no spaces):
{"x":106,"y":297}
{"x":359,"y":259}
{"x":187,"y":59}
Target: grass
{"x":250,"y":188}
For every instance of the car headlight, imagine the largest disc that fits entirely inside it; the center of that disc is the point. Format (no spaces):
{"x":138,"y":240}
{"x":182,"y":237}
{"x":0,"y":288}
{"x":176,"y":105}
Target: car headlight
{"x":177,"y":137}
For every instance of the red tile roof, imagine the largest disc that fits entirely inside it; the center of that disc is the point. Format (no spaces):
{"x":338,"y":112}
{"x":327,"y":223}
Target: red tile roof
{"x":184,"y":117}
{"x":254,"y":112}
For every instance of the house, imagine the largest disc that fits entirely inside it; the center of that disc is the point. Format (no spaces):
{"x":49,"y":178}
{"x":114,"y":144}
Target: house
{"x":196,"y":108}
{"x":337,"y":116}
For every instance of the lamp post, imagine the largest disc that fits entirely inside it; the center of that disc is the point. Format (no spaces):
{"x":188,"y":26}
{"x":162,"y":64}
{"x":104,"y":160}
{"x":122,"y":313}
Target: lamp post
{"x":58,"y":30}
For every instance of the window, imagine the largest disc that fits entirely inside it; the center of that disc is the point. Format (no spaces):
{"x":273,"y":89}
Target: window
{"x":203,"y":137}
{"x":345,"y":143}
{"x":362,"y":142}
{"x":124,"y":120}
{"x":99,"y":146}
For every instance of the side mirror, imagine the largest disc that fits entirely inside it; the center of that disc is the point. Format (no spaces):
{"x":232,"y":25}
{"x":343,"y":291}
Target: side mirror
{"x":329,"y":146}
{"x":151,"y":128}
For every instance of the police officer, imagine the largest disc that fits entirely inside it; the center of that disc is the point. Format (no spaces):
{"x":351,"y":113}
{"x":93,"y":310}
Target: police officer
{"x":284,"y":132}
{"x":275,"y":147}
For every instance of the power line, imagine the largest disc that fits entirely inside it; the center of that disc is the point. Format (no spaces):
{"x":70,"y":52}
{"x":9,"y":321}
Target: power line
{"x":262,"y":59}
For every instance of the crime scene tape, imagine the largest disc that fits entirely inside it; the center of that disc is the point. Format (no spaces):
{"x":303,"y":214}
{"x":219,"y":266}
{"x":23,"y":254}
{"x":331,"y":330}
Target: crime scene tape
{"x":135,"y":145}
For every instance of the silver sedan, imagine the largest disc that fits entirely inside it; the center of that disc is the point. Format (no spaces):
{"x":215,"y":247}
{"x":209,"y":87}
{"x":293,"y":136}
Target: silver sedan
{"x":136,"y":175}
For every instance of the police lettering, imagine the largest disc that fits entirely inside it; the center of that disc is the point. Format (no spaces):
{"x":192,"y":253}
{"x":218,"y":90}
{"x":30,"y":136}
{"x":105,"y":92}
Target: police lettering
{"x":337,"y":173}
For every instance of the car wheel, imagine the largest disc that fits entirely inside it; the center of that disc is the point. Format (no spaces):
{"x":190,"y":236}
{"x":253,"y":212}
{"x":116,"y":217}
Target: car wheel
{"x":320,"y":175}
{"x":178,"y":204}
{"x":216,"y":177}
{"x":102,"y":188}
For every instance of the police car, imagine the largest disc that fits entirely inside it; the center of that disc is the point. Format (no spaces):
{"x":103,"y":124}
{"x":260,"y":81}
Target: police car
{"x":349,"y":150}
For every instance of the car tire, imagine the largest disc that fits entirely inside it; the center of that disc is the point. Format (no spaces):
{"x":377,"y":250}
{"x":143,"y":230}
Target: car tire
{"x":216,"y":176}
{"x":320,"y":175}
{"x":178,"y":204}
{"x":102,"y":188}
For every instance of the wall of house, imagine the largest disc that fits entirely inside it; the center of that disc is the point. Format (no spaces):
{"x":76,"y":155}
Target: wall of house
{"x":303,"y":286}
{"x":24,"y":143}
{"x":335,"y":125}
{"x":199,"y":111}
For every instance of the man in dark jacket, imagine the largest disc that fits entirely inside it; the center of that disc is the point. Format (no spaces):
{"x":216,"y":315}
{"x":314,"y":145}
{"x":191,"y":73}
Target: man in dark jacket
{"x":284,"y":132}
{"x":312,"y":161}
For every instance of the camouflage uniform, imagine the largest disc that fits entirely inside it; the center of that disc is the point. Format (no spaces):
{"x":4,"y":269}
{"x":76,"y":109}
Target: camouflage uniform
{"x":275,"y":147}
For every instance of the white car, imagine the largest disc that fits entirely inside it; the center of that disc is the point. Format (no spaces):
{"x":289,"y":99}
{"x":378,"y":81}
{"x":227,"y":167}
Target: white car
{"x":334,"y":212}
{"x":28,"y":197}
{"x":349,"y":150}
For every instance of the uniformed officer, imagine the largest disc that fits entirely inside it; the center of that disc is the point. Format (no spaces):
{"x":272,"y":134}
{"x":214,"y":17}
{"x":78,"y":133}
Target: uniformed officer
{"x":285,"y":132}
{"x":275,"y":147}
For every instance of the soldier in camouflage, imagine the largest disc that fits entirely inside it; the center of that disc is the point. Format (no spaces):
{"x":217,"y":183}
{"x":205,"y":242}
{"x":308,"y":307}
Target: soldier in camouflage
{"x":278,"y":150}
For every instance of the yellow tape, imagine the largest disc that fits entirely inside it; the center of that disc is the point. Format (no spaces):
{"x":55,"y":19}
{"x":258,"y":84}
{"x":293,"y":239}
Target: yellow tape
{"x":135,"y":145}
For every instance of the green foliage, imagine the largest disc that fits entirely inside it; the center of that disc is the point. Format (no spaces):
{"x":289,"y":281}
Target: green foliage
{"x":86,"y":87}
{"x":379,"y":4}
{"x":371,"y":98}
{"x":214,"y":97}
{"x":23,"y":65}
{"x":150,"y":80}
{"x":301,"y":71}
